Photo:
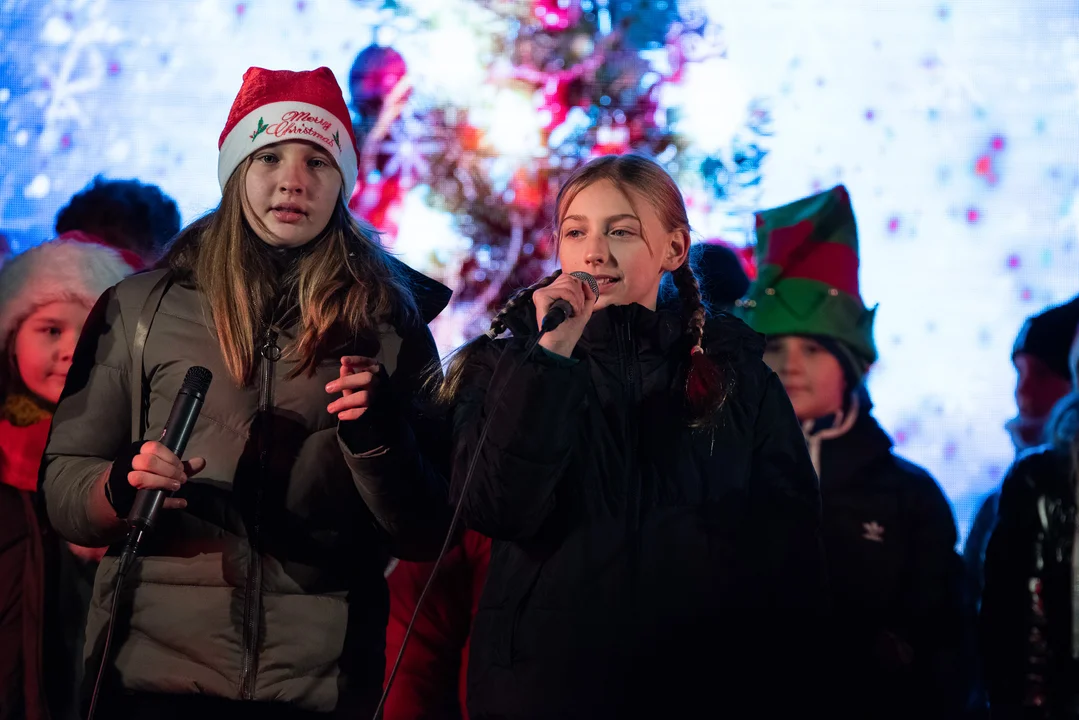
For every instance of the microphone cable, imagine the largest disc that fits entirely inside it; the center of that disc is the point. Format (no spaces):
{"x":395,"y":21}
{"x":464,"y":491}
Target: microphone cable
{"x":447,"y":543}
{"x":121,"y":573}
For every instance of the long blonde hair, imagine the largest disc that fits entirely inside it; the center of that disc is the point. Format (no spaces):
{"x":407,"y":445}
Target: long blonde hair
{"x":347,"y":282}
{"x":706,"y":387}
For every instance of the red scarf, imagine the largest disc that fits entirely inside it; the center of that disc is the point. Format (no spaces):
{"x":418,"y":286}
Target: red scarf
{"x":21,"y":449}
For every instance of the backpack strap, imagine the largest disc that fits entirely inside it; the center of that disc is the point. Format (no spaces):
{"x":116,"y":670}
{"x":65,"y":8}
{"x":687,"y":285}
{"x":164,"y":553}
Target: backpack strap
{"x":138,"y":349}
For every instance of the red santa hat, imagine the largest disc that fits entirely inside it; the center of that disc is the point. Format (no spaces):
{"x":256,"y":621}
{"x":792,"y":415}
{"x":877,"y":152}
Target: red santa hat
{"x":278,"y":105}
{"x":71,"y":267}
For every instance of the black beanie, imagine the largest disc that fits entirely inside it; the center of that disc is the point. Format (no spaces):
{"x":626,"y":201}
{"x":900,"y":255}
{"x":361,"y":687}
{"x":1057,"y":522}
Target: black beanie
{"x":1048,"y":336}
{"x":720,"y":273}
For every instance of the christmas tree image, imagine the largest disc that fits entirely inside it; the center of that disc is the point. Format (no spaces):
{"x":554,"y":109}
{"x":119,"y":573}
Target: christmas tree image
{"x":564,"y":81}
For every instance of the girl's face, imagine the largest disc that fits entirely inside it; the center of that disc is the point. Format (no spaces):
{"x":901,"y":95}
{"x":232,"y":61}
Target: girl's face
{"x":603,"y":235}
{"x":810,"y":374}
{"x":1037,"y":387}
{"x":292,"y":189}
{"x":44,"y":344}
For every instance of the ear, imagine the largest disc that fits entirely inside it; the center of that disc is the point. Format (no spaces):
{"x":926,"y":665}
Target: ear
{"x":675,"y":250}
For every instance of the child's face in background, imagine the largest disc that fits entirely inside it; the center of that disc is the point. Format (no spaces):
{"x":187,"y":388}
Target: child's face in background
{"x":810,"y":374}
{"x":44,"y":344}
{"x":602,"y":234}
{"x":1037,"y":388}
{"x":292,"y":189}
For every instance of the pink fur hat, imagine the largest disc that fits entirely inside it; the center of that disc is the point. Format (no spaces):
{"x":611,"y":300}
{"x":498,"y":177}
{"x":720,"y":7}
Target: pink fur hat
{"x":74,"y":266}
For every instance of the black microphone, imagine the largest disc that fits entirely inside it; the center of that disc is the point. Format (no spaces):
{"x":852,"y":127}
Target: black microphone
{"x":185,"y":411}
{"x":561,"y":310}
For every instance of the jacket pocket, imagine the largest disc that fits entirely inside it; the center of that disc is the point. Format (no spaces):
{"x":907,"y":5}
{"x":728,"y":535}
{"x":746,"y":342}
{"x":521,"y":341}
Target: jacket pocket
{"x":509,"y":587}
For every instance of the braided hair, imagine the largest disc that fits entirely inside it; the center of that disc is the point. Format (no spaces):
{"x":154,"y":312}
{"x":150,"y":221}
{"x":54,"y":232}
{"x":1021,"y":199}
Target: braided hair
{"x":706,"y":386}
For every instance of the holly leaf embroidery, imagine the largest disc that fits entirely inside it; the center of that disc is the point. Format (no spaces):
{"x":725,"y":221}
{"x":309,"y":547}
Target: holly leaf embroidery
{"x":259,"y":130}
{"x":337,"y":139}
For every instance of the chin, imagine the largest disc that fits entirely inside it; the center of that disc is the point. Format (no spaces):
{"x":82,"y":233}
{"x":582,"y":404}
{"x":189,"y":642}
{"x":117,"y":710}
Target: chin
{"x":290,"y":239}
{"x":52,"y":395}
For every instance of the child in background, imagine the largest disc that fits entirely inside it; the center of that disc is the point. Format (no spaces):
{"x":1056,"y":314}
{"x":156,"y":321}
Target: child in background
{"x":889,"y":534}
{"x":45,"y":295}
{"x":136,"y":218}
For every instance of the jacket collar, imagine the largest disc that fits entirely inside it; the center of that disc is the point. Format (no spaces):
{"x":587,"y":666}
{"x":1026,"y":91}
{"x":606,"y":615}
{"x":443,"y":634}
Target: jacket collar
{"x":845,"y":458}
{"x":725,"y":336}
{"x":431,"y":296}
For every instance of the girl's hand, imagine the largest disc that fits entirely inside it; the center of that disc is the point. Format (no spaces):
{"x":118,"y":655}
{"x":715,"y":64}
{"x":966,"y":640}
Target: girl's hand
{"x":357,"y":381}
{"x":157,"y":468}
{"x":576,"y":292}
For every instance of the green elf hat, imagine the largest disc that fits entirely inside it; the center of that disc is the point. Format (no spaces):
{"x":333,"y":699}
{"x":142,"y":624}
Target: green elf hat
{"x":807,"y":275}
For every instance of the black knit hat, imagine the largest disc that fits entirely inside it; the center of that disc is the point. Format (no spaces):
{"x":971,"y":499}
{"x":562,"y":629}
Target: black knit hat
{"x":720,"y":274}
{"x":1048,"y":336}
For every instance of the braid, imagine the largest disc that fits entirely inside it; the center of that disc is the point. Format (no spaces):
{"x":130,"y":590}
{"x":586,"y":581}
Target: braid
{"x":498,"y":322}
{"x":706,"y":389}
{"x":445,"y":388}
{"x":692,"y":305}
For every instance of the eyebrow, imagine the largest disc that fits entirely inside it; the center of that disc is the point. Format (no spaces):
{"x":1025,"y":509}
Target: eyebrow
{"x":613,"y":218}
{"x":310,"y":146}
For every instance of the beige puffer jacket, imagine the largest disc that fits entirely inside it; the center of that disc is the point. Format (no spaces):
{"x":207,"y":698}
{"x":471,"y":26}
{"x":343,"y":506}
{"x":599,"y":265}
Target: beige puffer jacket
{"x":269,"y":585}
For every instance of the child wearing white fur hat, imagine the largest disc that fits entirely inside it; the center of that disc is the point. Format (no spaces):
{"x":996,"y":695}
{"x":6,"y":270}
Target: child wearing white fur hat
{"x":45,"y":296}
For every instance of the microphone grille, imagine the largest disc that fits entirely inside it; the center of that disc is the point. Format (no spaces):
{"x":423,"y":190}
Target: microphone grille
{"x":197,"y":380}
{"x":582,"y":275}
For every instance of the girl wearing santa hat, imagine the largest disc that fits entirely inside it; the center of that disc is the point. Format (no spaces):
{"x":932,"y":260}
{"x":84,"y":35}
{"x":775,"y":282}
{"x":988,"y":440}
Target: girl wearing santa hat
{"x":45,"y":296}
{"x":260,"y":591}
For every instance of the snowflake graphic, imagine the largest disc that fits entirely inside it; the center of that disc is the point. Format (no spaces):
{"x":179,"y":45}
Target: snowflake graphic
{"x":409,"y":146}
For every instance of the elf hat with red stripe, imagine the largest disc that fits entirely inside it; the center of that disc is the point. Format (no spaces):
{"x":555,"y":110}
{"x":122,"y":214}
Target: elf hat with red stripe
{"x":278,"y":105}
{"x":807,"y":282}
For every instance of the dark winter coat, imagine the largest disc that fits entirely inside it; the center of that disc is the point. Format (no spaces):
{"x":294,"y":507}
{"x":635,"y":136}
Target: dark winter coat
{"x":269,"y":585}
{"x":895,"y":580}
{"x":1027,"y":620}
{"x":637,"y":566}
{"x":42,"y":594}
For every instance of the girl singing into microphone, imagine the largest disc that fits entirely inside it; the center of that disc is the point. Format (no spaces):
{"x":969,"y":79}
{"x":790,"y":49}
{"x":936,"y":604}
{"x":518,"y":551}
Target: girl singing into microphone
{"x":655,"y":515}
{"x":260,"y":590}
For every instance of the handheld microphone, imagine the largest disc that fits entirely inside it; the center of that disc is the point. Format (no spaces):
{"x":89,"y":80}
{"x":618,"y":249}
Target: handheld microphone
{"x":561,"y":310}
{"x":185,"y":411}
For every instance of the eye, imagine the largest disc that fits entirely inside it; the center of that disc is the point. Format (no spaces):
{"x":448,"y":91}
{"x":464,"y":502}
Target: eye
{"x":573,"y":233}
{"x":53,"y":331}
{"x":317,"y":163}
{"x":266,"y":158}
{"x":622,"y":232}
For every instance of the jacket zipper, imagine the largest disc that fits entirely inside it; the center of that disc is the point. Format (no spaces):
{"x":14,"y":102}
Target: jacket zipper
{"x":270,"y":353}
{"x":633,"y":480}
{"x":634,"y":486}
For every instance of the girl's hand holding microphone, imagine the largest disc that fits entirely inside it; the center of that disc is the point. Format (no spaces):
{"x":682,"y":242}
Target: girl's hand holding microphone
{"x":157,"y":468}
{"x":580,"y":297}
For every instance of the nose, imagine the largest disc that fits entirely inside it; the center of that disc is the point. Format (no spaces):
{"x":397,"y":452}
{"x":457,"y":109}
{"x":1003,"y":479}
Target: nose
{"x":597,"y":251}
{"x":293,"y":177}
{"x":790,"y":361}
{"x":66,"y":348}
{"x":1024,"y":386}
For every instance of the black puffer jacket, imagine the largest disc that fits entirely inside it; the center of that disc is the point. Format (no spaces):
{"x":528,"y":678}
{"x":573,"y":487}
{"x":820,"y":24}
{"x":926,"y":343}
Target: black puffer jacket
{"x":638,"y":567}
{"x":1031,"y":601}
{"x":895,"y":580}
{"x":1028,"y":644}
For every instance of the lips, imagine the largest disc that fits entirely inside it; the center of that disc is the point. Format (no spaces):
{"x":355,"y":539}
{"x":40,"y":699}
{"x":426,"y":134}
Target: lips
{"x":288,"y":213}
{"x":606,"y":283}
